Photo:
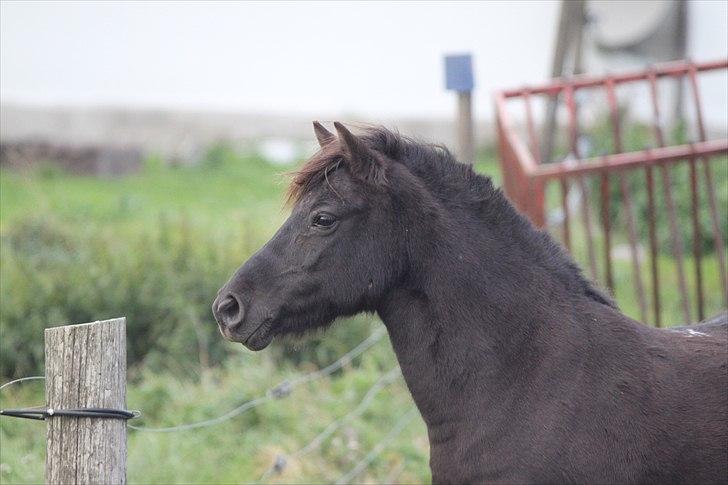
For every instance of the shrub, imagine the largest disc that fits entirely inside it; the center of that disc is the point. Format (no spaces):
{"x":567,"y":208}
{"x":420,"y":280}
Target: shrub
{"x":163,"y":279}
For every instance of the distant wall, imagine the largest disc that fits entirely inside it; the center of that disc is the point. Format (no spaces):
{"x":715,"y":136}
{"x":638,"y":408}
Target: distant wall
{"x":182,"y":134}
{"x":102,"y":161}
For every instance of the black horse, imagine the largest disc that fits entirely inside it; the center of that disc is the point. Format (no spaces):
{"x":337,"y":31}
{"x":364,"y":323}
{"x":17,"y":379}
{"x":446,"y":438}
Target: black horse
{"x":522,"y":369}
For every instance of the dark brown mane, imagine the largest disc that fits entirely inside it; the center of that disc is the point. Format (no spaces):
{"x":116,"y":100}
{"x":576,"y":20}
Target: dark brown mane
{"x":430,"y":162}
{"x":453,"y":183}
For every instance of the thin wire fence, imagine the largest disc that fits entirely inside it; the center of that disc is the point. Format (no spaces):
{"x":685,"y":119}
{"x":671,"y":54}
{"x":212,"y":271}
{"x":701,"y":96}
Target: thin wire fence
{"x":280,"y":461}
{"x":401,"y":424}
{"x":278,"y":391}
{"x":22,"y":379}
{"x":284,"y":389}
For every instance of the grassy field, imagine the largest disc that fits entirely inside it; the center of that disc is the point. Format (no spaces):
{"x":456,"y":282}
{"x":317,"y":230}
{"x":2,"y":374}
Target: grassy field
{"x":224,"y":209}
{"x":238,"y":204}
{"x":243,"y":448}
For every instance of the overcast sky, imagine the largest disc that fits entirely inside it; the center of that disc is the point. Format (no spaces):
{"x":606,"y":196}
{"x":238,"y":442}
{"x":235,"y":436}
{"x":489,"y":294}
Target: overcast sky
{"x":374,"y":58}
{"x":371,"y":57}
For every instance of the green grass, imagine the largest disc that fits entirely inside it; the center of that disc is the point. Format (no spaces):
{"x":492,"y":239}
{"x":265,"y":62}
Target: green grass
{"x":242,"y":449}
{"x":237,"y":203}
{"x":241,"y":190}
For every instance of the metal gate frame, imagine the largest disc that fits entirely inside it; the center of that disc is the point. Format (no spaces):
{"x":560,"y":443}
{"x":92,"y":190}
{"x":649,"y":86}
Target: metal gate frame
{"x":526,"y":176}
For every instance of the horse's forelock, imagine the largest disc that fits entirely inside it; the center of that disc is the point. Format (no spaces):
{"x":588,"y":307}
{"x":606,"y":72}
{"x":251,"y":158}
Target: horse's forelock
{"x":313,"y":172}
{"x":330,"y":156}
{"x":436,"y":160}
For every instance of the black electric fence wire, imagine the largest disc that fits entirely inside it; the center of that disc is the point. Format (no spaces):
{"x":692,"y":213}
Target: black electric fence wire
{"x":41,"y":413}
{"x":276,"y":392}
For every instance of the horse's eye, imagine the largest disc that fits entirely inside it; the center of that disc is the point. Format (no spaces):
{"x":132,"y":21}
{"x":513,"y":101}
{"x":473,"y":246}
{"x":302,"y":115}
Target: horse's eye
{"x":323,"y":220}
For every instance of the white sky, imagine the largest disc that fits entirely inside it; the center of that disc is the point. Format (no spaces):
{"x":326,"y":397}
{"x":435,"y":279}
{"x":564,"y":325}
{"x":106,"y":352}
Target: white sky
{"x":374,"y":58}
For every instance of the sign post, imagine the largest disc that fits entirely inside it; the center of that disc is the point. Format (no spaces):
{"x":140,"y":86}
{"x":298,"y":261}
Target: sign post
{"x":459,"y":78}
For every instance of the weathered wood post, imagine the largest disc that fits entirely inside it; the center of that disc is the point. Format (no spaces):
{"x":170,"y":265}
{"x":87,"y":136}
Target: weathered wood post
{"x":85,"y":367}
{"x":459,"y":78}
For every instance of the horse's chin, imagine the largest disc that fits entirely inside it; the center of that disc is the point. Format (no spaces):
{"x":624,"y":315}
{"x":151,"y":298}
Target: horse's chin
{"x":261,"y":337}
{"x":258,"y":341}
{"x":269,"y":329}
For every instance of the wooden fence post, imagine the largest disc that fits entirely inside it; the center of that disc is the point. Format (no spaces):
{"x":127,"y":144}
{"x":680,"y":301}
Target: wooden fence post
{"x":459,"y":78}
{"x":85,"y":366}
{"x":466,"y":136}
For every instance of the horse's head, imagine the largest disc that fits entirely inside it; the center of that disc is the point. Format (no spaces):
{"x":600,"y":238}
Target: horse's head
{"x":342,"y":248}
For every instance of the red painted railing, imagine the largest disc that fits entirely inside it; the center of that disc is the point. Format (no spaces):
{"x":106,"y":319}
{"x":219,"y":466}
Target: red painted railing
{"x":527,"y":179}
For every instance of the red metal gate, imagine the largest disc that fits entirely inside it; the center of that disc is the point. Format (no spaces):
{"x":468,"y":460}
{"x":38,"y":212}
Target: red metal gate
{"x":540,"y":188}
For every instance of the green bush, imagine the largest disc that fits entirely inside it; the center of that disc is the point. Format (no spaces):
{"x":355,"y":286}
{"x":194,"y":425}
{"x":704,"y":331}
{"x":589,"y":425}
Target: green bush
{"x":58,"y":274}
{"x":163,"y":279}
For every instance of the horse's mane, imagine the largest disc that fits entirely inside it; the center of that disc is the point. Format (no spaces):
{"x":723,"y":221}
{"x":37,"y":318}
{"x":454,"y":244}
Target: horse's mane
{"x":452,"y":182}
{"x":433,"y":164}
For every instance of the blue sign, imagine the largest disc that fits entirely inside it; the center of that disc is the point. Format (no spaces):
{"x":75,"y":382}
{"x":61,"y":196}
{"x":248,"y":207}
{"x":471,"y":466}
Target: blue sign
{"x":459,"y":73}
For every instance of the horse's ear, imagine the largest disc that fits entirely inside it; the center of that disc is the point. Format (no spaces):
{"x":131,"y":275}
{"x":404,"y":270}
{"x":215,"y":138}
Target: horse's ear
{"x":363,"y":161}
{"x":323,"y":135}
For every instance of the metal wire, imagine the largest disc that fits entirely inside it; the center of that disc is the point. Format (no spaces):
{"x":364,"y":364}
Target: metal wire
{"x":276,"y":392}
{"x":284,"y":389}
{"x":42,"y":413}
{"x":345,"y":359}
{"x":208,"y":422}
{"x":22,"y":379}
{"x":363,"y":464}
{"x":280,"y":461}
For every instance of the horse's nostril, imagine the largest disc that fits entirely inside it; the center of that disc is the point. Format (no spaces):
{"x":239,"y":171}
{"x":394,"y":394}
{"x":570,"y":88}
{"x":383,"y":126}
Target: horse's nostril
{"x":230,"y":311}
{"x":228,"y":305}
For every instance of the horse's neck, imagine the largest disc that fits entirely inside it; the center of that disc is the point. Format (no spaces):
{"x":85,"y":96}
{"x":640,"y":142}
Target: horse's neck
{"x":473,"y":330}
